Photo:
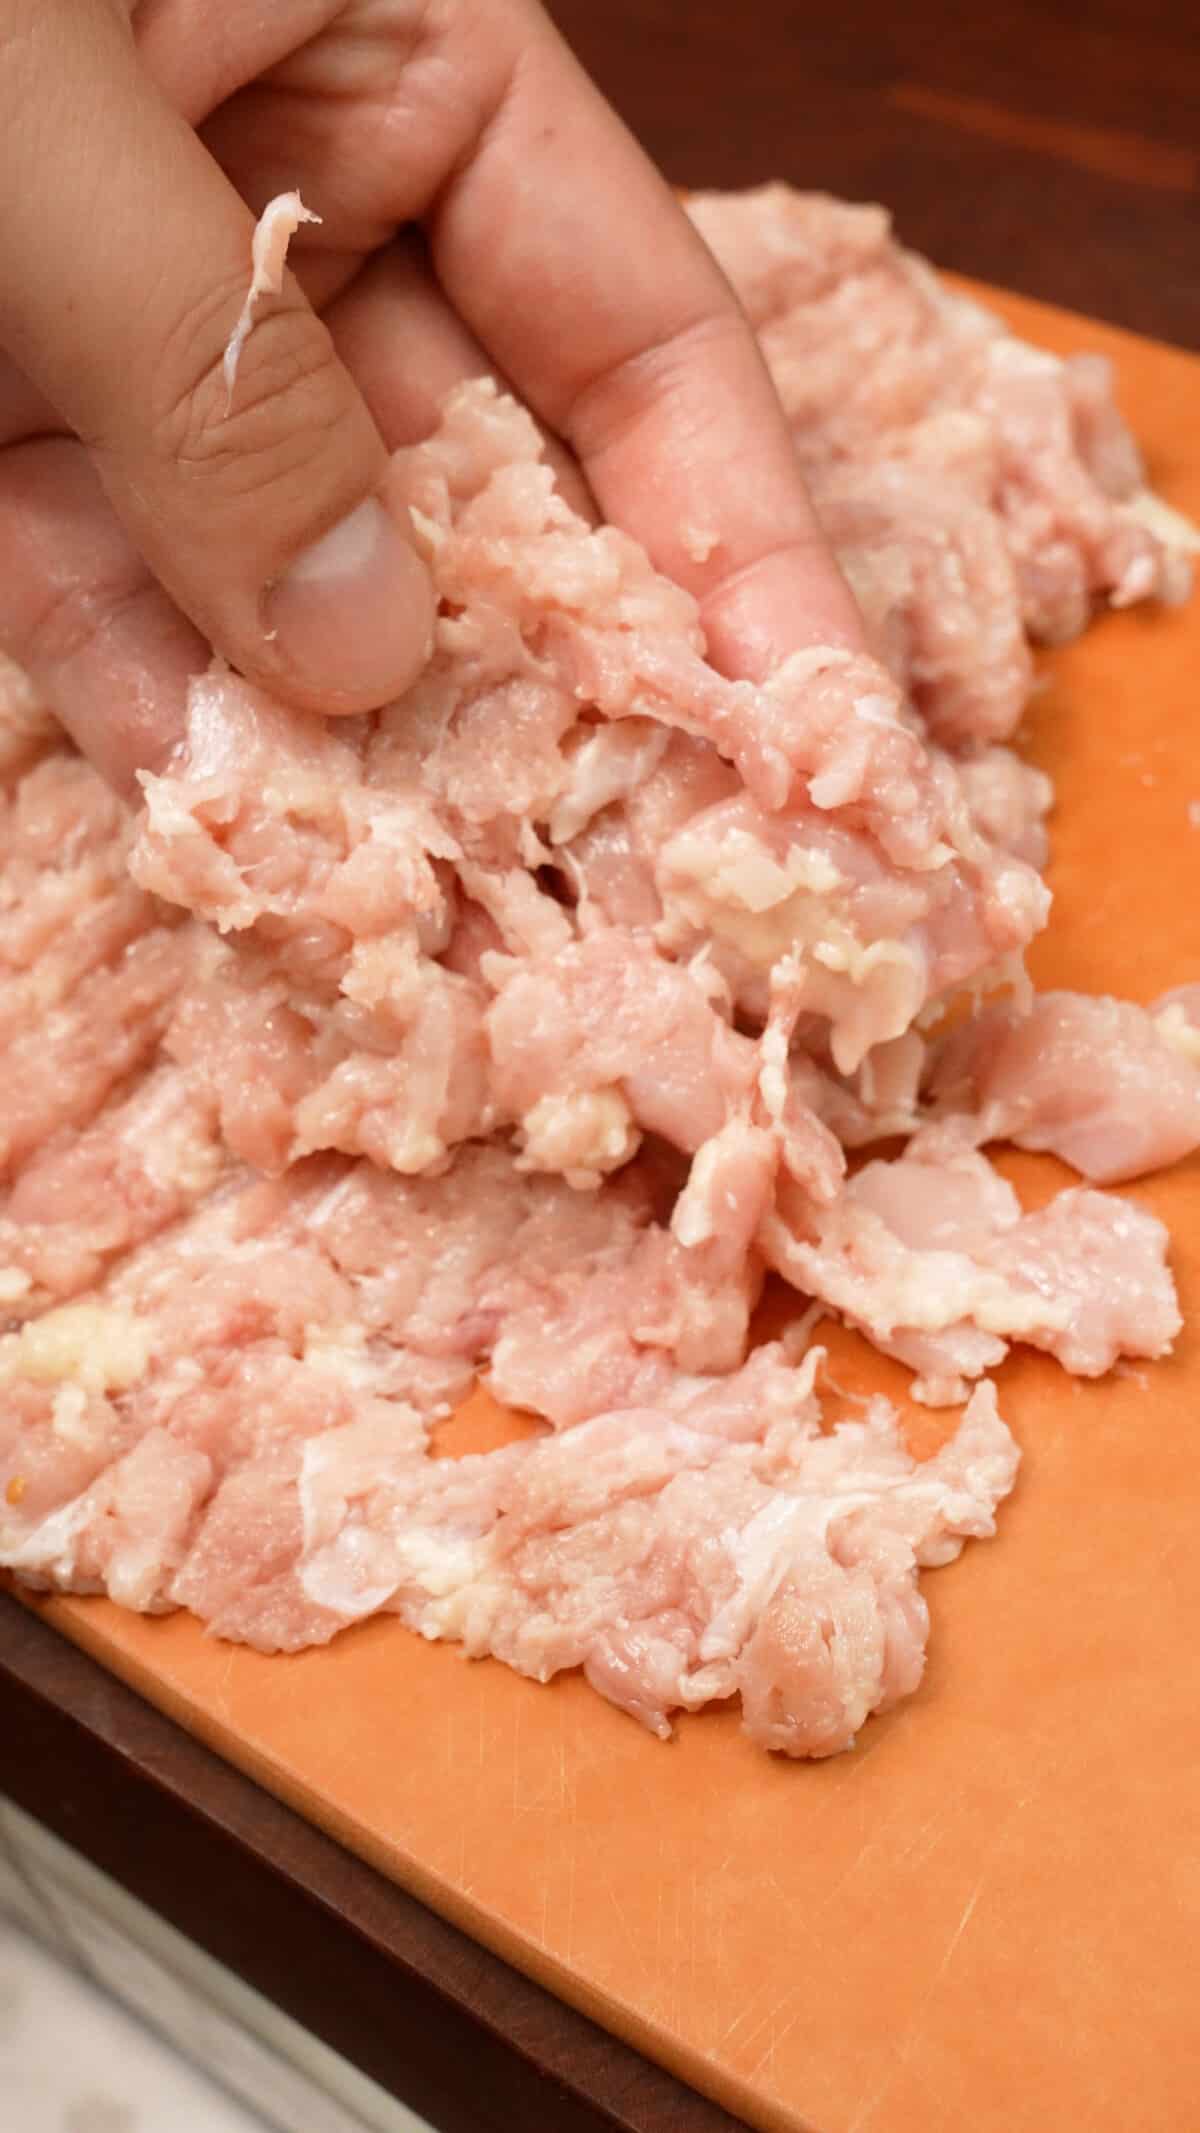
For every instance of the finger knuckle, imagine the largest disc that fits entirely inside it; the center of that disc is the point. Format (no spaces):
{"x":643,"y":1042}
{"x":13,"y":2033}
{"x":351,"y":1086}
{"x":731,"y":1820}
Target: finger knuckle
{"x":614,"y":398}
{"x":76,"y":616}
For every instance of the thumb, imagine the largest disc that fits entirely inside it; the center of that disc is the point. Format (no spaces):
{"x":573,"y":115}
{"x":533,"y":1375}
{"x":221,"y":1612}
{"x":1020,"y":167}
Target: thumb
{"x":124,"y":262}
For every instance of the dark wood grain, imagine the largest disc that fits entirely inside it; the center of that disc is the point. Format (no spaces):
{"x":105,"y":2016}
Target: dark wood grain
{"x":1039,"y":144}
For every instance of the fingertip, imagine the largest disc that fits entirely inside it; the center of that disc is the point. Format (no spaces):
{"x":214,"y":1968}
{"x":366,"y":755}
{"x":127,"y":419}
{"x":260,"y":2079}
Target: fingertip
{"x":348,"y":625}
{"x":787,"y":601}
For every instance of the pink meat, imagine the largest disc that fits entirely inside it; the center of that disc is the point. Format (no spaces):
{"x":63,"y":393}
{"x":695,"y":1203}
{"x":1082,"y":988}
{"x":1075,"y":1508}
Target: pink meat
{"x":91,"y":1193}
{"x":1095,"y":1081}
{"x":827,"y":730}
{"x":871,"y":354}
{"x":608,"y":1016}
{"x":681,"y":1563}
{"x":710,"y":1544}
{"x":933,"y":574}
{"x":400,"y":1080}
{"x":66,"y":903}
{"x":519,"y":1030}
{"x":1009,"y":801}
{"x":283,"y":858}
{"x":933,"y":1258}
{"x":59,"y":1073}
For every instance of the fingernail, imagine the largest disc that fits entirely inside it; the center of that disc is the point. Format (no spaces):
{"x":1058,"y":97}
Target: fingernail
{"x":353,"y":615}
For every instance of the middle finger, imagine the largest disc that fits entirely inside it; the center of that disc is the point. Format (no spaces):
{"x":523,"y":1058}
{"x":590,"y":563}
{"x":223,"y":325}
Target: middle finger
{"x":406,"y":349}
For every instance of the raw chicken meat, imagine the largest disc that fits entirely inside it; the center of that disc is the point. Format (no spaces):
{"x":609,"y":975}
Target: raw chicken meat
{"x":879,"y":364}
{"x":932,"y":1257}
{"x":522,"y":1031}
{"x":276,"y":227}
{"x":1110,"y":1087}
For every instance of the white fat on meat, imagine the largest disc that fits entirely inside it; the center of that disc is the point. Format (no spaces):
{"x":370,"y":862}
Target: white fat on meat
{"x":27,"y":723}
{"x":1176,"y":1017}
{"x":581,"y":1134}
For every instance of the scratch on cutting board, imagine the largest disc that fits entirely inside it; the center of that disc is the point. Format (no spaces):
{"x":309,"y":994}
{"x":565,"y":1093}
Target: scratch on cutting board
{"x":768,"y":2020}
{"x":881,"y":1840}
{"x":908,"y":2042}
{"x":570,"y":1932}
{"x":762,"y":2016}
{"x":767,"y":2062}
{"x":959,"y":1929}
{"x":517,"y":1787}
{"x":742,"y":2016}
{"x":619,"y":1912}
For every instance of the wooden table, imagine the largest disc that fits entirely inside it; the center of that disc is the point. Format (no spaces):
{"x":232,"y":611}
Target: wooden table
{"x":1019,"y":145}
{"x":1046,"y":145}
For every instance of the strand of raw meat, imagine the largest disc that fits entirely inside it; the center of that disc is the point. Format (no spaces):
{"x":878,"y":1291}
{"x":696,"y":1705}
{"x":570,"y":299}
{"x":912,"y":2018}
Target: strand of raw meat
{"x":273,"y":232}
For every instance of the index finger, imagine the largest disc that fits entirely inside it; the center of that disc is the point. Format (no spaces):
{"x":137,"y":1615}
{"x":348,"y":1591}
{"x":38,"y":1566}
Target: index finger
{"x":577,"y":268}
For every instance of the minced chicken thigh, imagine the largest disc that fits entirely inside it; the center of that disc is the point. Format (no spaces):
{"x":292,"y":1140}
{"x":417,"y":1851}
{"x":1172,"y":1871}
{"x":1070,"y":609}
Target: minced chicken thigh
{"x":523,"y":1030}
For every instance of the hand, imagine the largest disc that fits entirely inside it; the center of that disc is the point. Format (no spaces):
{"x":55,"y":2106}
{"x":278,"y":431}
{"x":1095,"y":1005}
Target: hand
{"x":482,"y":208}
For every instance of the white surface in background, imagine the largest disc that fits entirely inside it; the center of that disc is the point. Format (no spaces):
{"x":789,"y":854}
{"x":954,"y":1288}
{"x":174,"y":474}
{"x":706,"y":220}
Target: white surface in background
{"x":73,"y":2061}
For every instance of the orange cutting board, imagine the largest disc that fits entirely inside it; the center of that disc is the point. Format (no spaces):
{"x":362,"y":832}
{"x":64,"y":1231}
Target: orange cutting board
{"x":987,"y":1916}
